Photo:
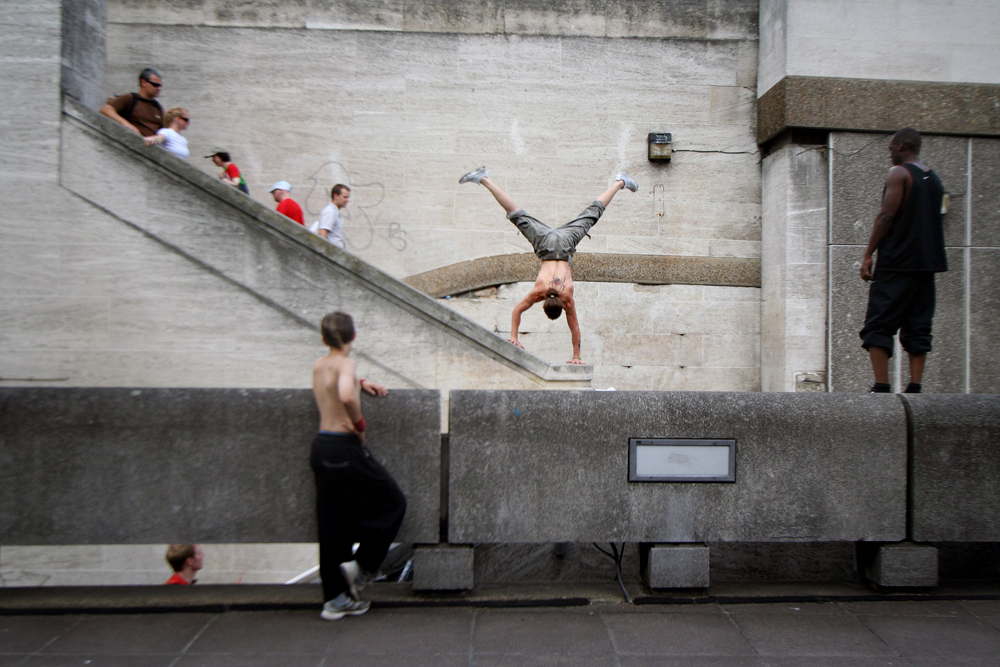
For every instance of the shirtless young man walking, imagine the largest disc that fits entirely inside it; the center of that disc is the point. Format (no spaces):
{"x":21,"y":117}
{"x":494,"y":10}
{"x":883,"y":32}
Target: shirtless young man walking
{"x":555,"y":247}
{"x":357,"y":500}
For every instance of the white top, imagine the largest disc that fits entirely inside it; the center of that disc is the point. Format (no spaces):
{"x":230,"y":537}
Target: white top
{"x":332,"y":220}
{"x":174,"y":143}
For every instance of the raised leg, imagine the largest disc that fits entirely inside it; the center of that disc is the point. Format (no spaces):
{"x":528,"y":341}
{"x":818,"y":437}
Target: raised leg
{"x":610,"y":193}
{"x":502,"y":197}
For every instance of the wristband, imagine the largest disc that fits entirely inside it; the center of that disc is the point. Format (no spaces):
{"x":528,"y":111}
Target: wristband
{"x":361,"y":381}
{"x":360,"y":425}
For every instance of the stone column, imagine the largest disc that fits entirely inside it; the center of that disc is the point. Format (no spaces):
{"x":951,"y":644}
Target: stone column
{"x":84,"y":51}
{"x":794,"y":269}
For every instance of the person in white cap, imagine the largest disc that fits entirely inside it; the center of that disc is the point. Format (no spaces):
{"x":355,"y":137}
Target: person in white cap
{"x":282,"y":193}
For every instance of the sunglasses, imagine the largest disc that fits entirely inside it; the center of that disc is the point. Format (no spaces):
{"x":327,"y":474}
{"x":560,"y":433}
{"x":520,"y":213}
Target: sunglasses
{"x":154,"y":85}
{"x":186,"y":120}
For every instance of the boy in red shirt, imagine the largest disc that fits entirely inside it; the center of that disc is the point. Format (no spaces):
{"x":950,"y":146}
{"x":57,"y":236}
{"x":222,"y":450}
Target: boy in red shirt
{"x":230,"y":172}
{"x":186,"y":560}
{"x":282,"y":193}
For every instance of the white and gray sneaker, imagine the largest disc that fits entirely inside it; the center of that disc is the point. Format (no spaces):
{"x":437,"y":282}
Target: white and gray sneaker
{"x":627,"y":180}
{"x":474,"y":176}
{"x":356,"y":579}
{"x":337,"y":608}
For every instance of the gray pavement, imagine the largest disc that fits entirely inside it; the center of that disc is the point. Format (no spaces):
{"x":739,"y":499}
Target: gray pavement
{"x":860,"y":634}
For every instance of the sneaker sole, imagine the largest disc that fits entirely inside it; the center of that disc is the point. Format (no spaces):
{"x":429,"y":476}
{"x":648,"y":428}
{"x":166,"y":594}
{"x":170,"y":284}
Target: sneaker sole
{"x":337,"y":615}
{"x":467,"y":179}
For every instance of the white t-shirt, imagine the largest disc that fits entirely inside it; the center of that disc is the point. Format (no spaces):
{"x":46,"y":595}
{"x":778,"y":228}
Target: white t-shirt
{"x":332,"y":220}
{"x":174,"y":143}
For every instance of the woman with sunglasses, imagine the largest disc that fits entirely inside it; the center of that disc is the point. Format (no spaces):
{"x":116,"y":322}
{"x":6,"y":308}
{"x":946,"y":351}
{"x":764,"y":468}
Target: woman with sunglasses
{"x":169,"y":136}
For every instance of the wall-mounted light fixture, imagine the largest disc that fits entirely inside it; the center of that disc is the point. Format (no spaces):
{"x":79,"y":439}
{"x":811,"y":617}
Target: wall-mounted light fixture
{"x":661,"y":146}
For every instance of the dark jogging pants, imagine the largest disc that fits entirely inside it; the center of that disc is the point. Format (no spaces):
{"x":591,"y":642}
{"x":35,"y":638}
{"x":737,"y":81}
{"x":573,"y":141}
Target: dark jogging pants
{"x":357,"y":500}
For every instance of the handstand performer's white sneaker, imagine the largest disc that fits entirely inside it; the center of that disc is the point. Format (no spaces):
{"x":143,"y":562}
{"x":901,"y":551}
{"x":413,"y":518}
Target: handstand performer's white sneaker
{"x":474,"y":176}
{"x":627,"y":180}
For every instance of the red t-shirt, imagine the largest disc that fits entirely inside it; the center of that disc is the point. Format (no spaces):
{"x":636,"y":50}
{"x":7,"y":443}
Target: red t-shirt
{"x":178,"y":579}
{"x":233,"y":172}
{"x":292,"y":210}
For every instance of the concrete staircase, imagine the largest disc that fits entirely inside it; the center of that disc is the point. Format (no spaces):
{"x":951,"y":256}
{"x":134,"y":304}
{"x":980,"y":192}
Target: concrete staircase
{"x":413,"y":339}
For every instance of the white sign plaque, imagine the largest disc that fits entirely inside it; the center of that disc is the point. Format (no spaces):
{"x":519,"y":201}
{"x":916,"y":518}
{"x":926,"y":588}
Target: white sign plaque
{"x":681,"y":460}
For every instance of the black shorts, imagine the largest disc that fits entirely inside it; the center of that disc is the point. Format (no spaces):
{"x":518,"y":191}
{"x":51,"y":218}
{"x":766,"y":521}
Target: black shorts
{"x":900,"y":301}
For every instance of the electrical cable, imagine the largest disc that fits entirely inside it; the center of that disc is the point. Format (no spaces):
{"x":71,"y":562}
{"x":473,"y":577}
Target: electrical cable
{"x":695,"y":150}
{"x":617,"y":558}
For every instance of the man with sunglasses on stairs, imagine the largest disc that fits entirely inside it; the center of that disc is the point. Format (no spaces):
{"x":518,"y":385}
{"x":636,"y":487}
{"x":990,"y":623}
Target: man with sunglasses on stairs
{"x":139,"y":112}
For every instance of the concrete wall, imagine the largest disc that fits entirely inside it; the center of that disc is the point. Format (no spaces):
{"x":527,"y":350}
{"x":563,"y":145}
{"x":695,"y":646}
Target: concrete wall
{"x":145,"y":565}
{"x":540,"y":467}
{"x":964,"y":359}
{"x":84,"y":51}
{"x":955,"y":40}
{"x":650,"y":337}
{"x":794,"y":270}
{"x":552,"y":115}
{"x":87,"y":299}
{"x":404,"y":337}
{"x":140,"y":466}
{"x":955,"y":494}
{"x":550,"y":97}
{"x":815,"y":472}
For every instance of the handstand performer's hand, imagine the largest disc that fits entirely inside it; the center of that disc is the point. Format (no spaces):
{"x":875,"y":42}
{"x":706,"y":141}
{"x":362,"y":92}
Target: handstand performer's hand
{"x":577,"y":360}
{"x":515,"y":342}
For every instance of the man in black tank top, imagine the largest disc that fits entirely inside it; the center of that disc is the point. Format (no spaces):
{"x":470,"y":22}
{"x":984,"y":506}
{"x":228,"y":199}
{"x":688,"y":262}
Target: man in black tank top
{"x":909,"y":237}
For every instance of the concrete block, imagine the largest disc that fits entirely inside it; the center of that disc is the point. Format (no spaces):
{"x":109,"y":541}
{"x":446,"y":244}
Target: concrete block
{"x":794,"y":254}
{"x":945,"y":370}
{"x":84,"y":51}
{"x":904,"y":565}
{"x":443,"y":568}
{"x":985,"y":202}
{"x":859,"y":166}
{"x":956,"y":462}
{"x":949,"y":158}
{"x":850,"y":369}
{"x":984,"y":320}
{"x":135,"y":466}
{"x":553,"y":467}
{"x":676,"y":566}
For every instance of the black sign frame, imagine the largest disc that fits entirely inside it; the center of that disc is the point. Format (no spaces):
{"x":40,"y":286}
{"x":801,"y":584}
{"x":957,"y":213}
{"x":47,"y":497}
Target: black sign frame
{"x":681,"y":442}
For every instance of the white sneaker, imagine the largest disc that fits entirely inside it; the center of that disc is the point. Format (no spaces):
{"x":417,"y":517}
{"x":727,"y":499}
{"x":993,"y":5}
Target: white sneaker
{"x":474,"y":176}
{"x":627,"y":180}
{"x":334,"y":612}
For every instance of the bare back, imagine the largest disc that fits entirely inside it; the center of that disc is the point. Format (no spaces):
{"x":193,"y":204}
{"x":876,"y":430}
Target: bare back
{"x":555,"y":275}
{"x":334,"y":384}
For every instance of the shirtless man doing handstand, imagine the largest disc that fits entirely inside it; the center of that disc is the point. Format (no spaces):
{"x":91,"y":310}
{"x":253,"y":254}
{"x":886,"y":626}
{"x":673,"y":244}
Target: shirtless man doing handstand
{"x":555,"y":247}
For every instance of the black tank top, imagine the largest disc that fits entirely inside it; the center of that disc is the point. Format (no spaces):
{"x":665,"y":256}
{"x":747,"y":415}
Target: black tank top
{"x":915,"y":241}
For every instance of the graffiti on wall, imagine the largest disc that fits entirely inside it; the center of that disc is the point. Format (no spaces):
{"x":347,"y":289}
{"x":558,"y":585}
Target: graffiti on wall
{"x":360,"y":224}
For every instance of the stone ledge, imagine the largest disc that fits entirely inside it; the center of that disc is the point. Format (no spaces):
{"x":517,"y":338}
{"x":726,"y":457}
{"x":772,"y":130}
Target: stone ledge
{"x":590,"y":267}
{"x":397,"y":292}
{"x":718,"y":20}
{"x":874,"y":105}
